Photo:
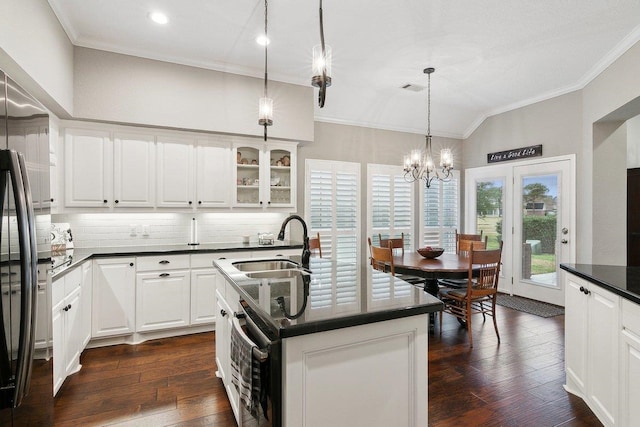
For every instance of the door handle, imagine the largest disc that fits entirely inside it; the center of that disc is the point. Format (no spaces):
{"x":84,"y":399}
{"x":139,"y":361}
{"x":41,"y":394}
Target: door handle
{"x":564,"y":241}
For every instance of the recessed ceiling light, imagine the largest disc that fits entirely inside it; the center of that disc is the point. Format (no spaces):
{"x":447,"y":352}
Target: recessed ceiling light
{"x":158,"y":18}
{"x":262,"y":40}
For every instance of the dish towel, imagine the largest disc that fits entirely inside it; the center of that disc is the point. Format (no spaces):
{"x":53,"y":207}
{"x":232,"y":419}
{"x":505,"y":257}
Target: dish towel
{"x":245,"y":373}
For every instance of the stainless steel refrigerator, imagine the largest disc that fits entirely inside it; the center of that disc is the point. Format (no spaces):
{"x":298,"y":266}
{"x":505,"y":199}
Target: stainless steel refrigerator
{"x":26,"y":379}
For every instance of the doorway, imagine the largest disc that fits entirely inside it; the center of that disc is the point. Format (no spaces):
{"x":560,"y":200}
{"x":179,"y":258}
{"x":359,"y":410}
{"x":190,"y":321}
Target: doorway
{"x":530,"y":206}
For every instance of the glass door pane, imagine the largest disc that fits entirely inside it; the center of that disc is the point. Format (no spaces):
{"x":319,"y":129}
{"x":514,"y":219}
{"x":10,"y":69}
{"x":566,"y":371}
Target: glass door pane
{"x":539,"y":224}
{"x":489,"y":209}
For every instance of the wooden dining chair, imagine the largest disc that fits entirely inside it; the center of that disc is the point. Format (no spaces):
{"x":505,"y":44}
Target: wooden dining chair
{"x":479,"y":297}
{"x":314,"y":245}
{"x":474,"y":237}
{"x":395,"y":243}
{"x":465,"y":247}
{"x":381,"y":258}
{"x":397,"y":247}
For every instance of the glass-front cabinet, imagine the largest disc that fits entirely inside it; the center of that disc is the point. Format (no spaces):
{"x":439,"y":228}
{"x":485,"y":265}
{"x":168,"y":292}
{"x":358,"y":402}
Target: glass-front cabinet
{"x":265,"y":175}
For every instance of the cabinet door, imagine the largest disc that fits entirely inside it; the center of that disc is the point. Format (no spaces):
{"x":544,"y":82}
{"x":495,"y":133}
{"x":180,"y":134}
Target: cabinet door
{"x":162,"y":300}
{"x":134,"y":170}
{"x":42,"y":326}
{"x":575,"y":320}
{"x":85,"y":303}
{"x":88,"y":166}
{"x":72,"y":331}
{"x":630,"y":372}
{"x":175,"y":173}
{"x":114,"y":293}
{"x":602,"y":353}
{"x":222,"y":338}
{"x":280,"y":176}
{"x":59,"y":344}
{"x":203,"y":296}
{"x":213,"y":175}
{"x":247,"y":175}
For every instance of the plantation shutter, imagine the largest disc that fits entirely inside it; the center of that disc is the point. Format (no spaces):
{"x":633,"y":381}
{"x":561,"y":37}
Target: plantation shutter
{"x":441,"y":214}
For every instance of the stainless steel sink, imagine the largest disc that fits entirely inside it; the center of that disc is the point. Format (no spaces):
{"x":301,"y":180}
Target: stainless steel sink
{"x":265,"y":265}
{"x":276,"y":274}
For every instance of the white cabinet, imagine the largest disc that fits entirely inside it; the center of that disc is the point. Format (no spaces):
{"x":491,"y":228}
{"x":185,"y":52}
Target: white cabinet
{"x":43,"y":315}
{"x":175,"y":172}
{"x":213,"y":174}
{"x":227,"y":300}
{"x":105,"y":170}
{"x":163,"y":294}
{"x":86,"y":294}
{"x":67,"y":326}
{"x":114,"y":293}
{"x":88,"y":168}
{"x":591,"y":346}
{"x":630,"y":365}
{"x":265,"y":175}
{"x":134,"y":170}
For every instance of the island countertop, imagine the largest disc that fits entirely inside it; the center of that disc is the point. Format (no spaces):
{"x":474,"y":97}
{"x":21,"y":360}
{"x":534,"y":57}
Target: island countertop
{"x":621,"y":280}
{"x":333,"y":296}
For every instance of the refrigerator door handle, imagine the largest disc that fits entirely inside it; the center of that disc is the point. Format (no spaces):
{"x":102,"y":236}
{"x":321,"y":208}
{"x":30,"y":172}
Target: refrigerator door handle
{"x":15,"y":164}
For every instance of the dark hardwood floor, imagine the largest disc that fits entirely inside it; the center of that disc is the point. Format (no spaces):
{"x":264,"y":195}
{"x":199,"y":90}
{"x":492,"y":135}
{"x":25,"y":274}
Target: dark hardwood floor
{"x":172,"y":382}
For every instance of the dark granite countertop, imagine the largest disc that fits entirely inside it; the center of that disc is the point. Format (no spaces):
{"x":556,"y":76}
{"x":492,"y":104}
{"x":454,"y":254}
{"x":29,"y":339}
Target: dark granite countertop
{"x":331,"y":297}
{"x":64,"y":261}
{"x":621,"y":280}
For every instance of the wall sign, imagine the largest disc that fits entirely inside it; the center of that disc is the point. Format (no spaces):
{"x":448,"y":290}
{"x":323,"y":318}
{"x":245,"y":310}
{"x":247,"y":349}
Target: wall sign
{"x":515,"y":154}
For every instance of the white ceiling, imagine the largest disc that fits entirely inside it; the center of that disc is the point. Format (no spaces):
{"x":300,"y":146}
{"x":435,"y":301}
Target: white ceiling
{"x":490,"y":56}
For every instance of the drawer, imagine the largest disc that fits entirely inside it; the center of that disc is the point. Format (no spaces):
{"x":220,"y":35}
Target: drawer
{"x":57,"y":291}
{"x":631,"y":316}
{"x":162,"y":263}
{"x":72,"y":280}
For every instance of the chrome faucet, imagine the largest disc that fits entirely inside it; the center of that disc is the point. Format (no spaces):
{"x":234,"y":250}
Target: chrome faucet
{"x":306,"y":252}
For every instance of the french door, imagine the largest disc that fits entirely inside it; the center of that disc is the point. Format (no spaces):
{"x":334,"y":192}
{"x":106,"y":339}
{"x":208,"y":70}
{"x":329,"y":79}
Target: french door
{"x":530,"y":206}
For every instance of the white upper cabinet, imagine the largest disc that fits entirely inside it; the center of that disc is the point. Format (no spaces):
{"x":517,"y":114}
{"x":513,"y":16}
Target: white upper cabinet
{"x":113,"y":167}
{"x":175,"y":172}
{"x":265,"y":175}
{"x":134,"y":170}
{"x":213,"y":174}
{"x":88,"y":165}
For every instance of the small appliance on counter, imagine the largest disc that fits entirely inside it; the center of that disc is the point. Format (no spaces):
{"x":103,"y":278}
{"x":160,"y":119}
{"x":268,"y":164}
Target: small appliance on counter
{"x":61,"y":237}
{"x":265,"y":239}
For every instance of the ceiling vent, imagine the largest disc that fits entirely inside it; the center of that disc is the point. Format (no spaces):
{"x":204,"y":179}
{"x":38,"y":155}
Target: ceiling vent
{"x":413,"y":87}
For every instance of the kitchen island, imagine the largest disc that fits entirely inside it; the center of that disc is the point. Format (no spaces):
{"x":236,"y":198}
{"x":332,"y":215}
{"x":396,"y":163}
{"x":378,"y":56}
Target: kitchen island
{"x":602,"y":339}
{"x":350,"y":350}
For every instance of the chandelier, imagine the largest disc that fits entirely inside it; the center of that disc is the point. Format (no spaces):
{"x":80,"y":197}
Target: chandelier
{"x":419,"y":164}
{"x":265,"y":104}
{"x":321,"y":65}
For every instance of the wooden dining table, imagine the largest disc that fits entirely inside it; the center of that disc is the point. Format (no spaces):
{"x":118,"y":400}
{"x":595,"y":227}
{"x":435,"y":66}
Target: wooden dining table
{"x":446,"y":266}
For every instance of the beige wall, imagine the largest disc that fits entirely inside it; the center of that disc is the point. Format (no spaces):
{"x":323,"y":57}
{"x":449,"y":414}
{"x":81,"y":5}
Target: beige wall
{"x":36,"y":53}
{"x":127,"y":89}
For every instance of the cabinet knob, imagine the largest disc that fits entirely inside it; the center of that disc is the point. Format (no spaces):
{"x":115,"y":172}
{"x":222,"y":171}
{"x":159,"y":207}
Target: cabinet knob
{"x":269,"y":202}
{"x":52,"y":200}
{"x":199,"y":202}
{"x":130,"y":264}
{"x":190,"y":202}
{"x":260,"y":201}
{"x":104,"y":201}
{"x":223,"y":313}
{"x":164,"y":274}
{"x":117,"y":201}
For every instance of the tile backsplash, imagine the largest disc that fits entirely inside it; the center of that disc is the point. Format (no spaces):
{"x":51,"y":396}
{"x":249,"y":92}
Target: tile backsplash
{"x":132,"y":229}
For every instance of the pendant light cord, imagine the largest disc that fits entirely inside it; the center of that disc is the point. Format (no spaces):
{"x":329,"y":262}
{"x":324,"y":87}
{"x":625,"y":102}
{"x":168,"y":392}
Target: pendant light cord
{"x":323,"y":86}
{"x":266,"y":43}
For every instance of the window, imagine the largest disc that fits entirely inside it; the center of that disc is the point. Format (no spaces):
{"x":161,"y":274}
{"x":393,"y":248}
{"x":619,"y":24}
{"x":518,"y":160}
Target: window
{"x":332,"y":207}
{"x":391,"y":204}
{"x":440,"y":214}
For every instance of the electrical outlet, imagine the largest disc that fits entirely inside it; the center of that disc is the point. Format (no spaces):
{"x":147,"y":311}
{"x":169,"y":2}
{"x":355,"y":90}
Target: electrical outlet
{"x":145,"y":230}
{"x":133,"y":232}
